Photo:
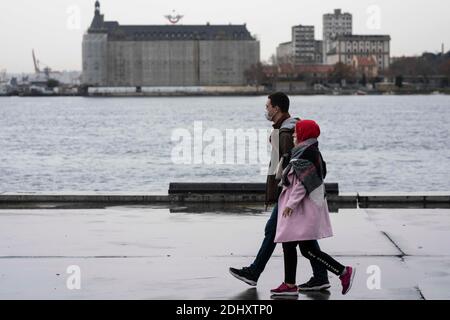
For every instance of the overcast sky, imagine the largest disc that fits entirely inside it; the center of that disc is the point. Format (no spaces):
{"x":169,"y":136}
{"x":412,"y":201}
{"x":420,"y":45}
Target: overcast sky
{"x":54,"y":28}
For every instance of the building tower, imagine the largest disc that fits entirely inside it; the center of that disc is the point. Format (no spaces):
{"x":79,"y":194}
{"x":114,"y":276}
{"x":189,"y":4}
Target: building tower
{"x":335,"y":24}
{"x":303,"y":43}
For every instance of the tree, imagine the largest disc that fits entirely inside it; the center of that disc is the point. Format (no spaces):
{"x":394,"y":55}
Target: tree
{"x":342,"y":72}
{"x":364,"y":80}
{"x":445,"y":68}
{"x":255,"y":75}
{"x":406,"y":66}
{"x":445,"y":71}
{"x":428,"y":64}
{"x":399,"y":81}
{"x":420,"y":69}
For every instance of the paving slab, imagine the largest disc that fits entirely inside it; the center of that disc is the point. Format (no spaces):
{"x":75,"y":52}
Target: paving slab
{"x":184,"y":278}
{"x":154,"y":231}
{"x":417,"y":232}
{"x":156,"y":252}
{"x":432,"y":275}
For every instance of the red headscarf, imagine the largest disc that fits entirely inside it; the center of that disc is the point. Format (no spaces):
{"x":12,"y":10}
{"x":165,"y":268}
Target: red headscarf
{"x":306,"y":129}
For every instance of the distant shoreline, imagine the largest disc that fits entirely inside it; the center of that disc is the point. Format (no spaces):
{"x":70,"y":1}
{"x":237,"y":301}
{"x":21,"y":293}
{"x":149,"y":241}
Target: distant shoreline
{"x":260,"y":94}
{"x":235,"y":94}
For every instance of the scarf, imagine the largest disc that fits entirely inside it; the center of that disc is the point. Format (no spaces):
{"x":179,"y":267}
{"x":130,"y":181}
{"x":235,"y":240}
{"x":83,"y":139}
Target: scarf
{"x":310,"y":172}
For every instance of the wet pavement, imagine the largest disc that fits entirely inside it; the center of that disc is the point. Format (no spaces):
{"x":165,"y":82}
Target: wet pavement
{"x":155,"y":252}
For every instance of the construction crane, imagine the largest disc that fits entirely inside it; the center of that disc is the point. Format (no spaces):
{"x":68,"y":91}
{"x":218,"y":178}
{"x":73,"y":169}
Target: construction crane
{"x":37,"y":63}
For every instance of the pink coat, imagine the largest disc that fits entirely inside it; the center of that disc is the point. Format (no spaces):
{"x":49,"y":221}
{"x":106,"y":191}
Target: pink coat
{"x":309,"y":221}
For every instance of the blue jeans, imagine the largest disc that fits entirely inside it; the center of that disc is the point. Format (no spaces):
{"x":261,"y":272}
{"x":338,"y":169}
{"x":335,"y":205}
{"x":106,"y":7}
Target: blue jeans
{"x":268,"y":246}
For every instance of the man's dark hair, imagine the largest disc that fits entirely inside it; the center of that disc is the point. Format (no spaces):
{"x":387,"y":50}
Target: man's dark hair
{"x":281,"y":100}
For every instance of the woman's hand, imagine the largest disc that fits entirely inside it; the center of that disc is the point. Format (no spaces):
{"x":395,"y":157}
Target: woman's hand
{"x":287,"y":212}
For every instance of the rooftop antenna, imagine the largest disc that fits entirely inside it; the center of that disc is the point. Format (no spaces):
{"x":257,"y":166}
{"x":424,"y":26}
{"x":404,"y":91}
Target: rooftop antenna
{"x":174,"y":18}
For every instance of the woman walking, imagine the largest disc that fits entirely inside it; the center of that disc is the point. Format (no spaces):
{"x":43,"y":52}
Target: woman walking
{"x":303,"y":215}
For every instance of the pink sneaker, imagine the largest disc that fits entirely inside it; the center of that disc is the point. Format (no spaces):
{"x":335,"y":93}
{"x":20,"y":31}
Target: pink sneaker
{"x":284,"y":290}
{"x":347,"y":279}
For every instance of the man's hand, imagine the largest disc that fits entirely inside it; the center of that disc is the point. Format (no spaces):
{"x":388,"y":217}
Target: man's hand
{"x":287,"y":212}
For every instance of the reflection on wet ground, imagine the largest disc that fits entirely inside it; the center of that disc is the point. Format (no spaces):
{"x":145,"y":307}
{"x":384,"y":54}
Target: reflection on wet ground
{"x":249,"y":294}
{"x":232,"y":208}
{"x":319,"y":295}
{"x":222,"y":208}
{"x":160,"y":252}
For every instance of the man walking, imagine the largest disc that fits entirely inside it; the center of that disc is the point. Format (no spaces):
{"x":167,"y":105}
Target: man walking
{"x":281,"y":139}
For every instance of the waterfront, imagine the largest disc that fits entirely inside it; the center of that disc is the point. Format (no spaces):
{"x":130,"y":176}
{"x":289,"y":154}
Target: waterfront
{"x":371,"y":143}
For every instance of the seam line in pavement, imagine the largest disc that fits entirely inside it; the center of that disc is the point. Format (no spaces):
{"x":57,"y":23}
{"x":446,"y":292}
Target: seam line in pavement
{"x":422,"y":297}
{"x":403,"y":254}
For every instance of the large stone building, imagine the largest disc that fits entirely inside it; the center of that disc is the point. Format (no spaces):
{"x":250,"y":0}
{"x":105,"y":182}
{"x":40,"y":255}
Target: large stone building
{"x":341,"y":45}
{"x":117,"y":55}
{"x":334,"y":25}
{"x":346,"y":48}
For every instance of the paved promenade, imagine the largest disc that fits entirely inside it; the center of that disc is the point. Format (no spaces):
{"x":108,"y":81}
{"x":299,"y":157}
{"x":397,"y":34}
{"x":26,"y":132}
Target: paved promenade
{"x":151,"y":252}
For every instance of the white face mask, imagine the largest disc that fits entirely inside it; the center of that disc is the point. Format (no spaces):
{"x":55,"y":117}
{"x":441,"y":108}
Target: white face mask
{"x":268,"y":117}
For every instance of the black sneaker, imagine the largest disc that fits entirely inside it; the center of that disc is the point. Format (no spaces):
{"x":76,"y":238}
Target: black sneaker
{"x":314,"y":285}
{"x":246,"y":275}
